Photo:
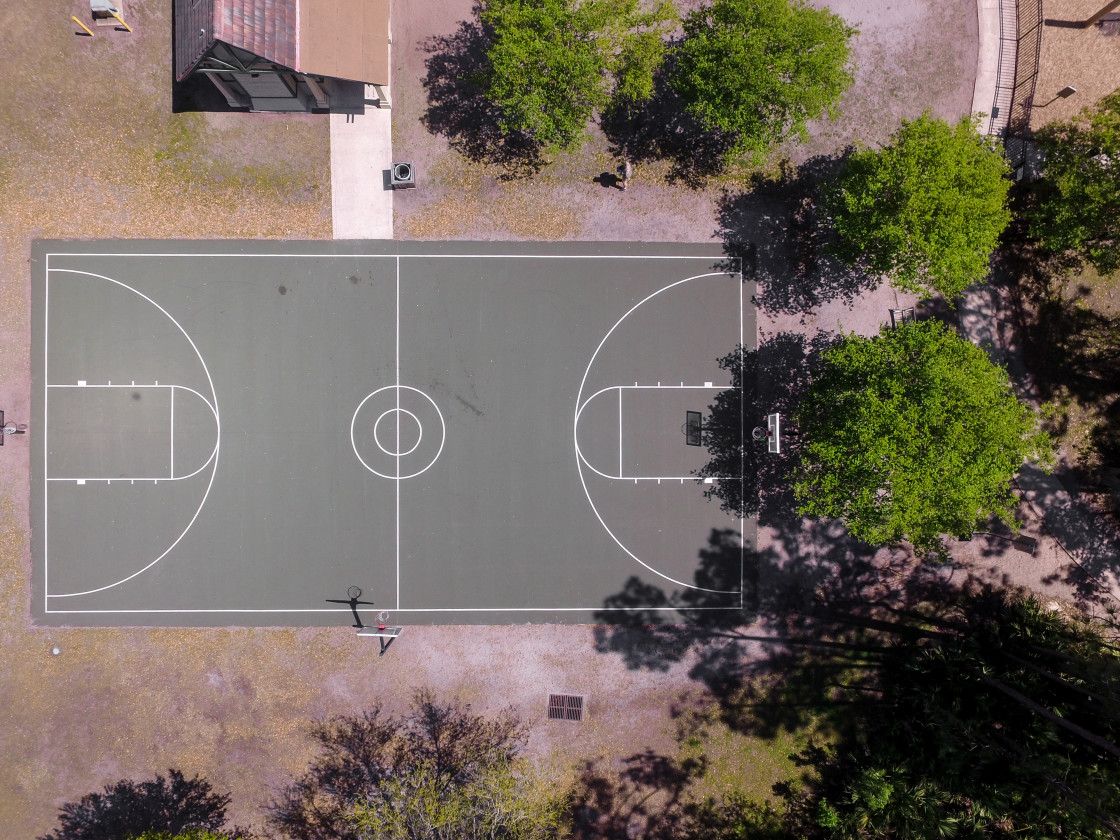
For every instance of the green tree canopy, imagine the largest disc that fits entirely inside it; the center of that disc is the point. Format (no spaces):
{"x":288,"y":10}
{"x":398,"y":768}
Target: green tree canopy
{"x":911,"y":435}
{"x":927,"y":210}
{"x":439,"y":771}
{"x":171,"y":805}
{"x":1003,"y":722}
{"x":1078,"y":199}
{"x":553,"y":63}
{"x":761,"y":69}
{"x":505,"y":801}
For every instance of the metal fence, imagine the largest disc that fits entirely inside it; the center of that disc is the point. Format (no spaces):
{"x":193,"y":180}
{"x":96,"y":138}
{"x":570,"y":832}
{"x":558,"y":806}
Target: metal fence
{"x":1020,"y":44}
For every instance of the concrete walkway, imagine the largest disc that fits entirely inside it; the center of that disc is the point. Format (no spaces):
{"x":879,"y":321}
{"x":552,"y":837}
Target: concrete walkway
{"x":988,"y":61}
{"x":361,"y":152}
{"x":1088,"y":539}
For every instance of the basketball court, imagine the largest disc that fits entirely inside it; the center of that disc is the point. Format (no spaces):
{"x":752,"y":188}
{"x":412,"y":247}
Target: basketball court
{"x":238,"y":432}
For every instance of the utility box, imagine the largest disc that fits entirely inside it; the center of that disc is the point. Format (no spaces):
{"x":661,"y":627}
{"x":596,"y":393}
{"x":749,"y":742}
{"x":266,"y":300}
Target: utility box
{"x":402,"y":176}
{"x":103,"y":7}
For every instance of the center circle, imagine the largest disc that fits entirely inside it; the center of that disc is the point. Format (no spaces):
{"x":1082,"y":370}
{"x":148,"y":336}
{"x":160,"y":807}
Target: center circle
{"x":398,"y":426}
{"x":397,"y":432}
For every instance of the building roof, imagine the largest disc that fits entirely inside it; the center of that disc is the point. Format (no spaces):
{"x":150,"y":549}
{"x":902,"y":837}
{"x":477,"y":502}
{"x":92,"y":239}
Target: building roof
{"x":268,"y":28}
{"x":346,"y":39}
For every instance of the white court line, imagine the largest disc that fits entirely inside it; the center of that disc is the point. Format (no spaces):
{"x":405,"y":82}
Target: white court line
{"x":397,"y":530}
{"x":742,"y":451}
{"x":398,"y":257}
{"x":169,"y":477}
{"x":281,"y":255}
{"x":217,"y":445}
{"x":46,"y":447}
{"x":403,"y":609}
{"x":658,"y":387}
{"x":580,"y":460}
{"x":398,"y":477}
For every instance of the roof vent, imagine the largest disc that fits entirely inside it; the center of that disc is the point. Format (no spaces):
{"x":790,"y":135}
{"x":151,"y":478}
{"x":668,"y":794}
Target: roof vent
{"x":566,"y":706}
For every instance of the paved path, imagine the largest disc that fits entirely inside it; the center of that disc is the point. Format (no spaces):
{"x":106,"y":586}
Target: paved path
{"x":361,"y":151}
{"x":988,"y":64}
{"x":1086,"y":537}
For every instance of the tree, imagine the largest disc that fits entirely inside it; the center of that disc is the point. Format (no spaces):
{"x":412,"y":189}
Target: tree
{"x":552,"y":62}
{"x":505,"y":801}
{"x":127,"y":809}
{"x":439,"y":768}
{"x":927,"y":210}
{"x":759,"y":70}
{"x":910,"y":435}
{"x":1077,"y":205}
{"x":1004,"y":722}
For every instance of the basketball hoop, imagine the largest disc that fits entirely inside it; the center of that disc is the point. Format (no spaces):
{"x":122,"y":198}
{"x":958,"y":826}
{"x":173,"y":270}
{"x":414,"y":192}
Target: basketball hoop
{"x":354,"y":593}
{"x":693,"y":428}
{"x":383,"y":633}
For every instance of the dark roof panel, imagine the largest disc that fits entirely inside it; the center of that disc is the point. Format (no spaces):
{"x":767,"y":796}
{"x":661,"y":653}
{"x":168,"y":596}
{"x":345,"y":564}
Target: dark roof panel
{"x":193,"y":33}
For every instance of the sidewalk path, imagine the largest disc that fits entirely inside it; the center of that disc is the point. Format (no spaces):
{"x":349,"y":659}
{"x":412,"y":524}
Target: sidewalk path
{"x":1089,"y":540}
{"x":361,"y":151}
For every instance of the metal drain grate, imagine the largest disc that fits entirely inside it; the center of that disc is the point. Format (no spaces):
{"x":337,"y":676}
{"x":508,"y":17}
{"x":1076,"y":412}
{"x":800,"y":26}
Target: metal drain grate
{"x":566,"y":706}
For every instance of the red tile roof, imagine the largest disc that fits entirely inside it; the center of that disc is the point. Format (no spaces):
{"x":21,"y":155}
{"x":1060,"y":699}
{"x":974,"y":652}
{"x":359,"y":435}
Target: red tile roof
{"x":347,"y":39}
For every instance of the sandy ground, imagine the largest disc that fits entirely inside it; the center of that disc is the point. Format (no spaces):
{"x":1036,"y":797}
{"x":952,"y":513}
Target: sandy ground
{"x":909,"y":57}
{"x":234,"y":704}
{"x":1087,"y":59}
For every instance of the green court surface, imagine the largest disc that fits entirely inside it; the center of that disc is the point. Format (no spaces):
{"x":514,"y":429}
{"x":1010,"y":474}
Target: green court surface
{"x":235,"y":432}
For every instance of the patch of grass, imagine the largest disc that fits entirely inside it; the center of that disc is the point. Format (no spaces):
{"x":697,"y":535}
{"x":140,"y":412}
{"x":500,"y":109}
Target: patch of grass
{"x":742,"y":763}
{"x":1074,"y":353}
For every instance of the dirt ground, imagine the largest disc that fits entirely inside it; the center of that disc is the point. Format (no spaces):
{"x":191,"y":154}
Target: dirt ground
{"x":90,"y":149}
{"x":910,"y":55}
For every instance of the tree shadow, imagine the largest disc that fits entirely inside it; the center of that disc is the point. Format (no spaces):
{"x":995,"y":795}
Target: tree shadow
{"x":643,"y":795}
{"x":817,"y":599}
{"x":660,"y":128}
{"x":1070,"y":351}
{"x":128,"y":809}
{"x":771,"y":379}
{"x":778,"y":229}
{"x":1069,"y":347}
{"x":459,"y":110}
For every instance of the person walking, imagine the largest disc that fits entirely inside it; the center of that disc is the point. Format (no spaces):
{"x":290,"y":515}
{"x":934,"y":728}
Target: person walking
{"x":624,"y":172}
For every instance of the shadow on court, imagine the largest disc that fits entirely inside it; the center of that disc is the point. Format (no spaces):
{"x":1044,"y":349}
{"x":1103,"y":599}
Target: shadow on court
{"x":815,"y":593}
{"x":778,"y":229}
{"x":772,"y":378}
{"x":458,"y":108}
